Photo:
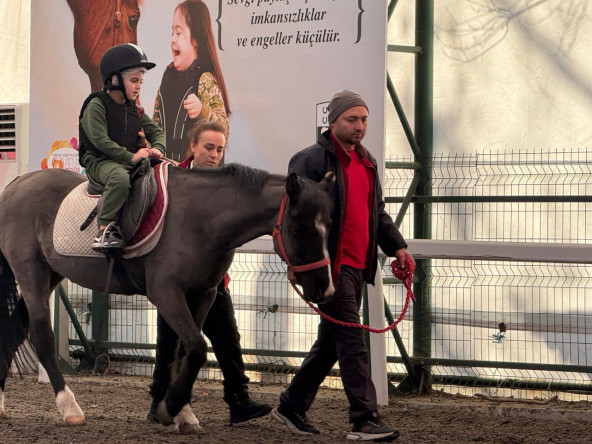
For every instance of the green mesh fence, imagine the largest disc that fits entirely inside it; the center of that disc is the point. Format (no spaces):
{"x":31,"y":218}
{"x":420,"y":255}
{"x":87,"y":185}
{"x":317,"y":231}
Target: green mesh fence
{"x":497,"y":327}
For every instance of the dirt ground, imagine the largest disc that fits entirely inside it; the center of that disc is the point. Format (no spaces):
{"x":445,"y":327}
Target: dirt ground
{"x":116,"y":406}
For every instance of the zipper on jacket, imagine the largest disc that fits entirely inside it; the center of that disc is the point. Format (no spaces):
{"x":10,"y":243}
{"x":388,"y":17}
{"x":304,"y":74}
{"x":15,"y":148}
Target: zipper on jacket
{"x":124,"y":124}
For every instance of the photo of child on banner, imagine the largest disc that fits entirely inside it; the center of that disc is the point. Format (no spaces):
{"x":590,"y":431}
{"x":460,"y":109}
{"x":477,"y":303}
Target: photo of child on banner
{"x":192,"y":87}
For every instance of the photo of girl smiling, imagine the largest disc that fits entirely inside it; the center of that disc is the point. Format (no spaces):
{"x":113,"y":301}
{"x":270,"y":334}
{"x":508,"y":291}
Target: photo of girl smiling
{"x":192,"y":89}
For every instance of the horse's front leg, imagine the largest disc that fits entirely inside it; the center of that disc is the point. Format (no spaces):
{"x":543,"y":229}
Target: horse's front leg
{"x":166,"y":343}
{"x":191,"y":355}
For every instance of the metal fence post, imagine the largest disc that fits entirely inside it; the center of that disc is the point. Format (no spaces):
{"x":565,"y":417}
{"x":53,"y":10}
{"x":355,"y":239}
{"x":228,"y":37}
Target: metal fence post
{"x":424,"y":63}
{"x":100,"y":320}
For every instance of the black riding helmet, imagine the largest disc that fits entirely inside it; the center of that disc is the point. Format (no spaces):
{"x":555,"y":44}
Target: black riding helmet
{"x":119,"y":58}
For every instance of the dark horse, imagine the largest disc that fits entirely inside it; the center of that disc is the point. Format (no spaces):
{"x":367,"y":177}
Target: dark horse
{"x":210,"y":213}
{"x":99,"y":25}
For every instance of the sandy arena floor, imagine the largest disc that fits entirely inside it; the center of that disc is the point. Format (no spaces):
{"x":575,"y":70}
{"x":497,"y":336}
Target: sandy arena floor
{"x":116,"y":406}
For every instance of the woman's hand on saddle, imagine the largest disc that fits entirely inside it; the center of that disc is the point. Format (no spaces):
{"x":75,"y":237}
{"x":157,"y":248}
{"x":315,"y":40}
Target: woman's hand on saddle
{"x":192,"y":105}
{"x":142,"y":153}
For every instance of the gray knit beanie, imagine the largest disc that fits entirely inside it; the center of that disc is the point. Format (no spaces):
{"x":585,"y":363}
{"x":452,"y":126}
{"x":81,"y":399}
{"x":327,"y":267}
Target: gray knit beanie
{"x":342,"y":101}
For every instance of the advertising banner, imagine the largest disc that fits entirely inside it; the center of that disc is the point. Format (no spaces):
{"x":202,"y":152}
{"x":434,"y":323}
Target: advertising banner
{"x":279,"y":62}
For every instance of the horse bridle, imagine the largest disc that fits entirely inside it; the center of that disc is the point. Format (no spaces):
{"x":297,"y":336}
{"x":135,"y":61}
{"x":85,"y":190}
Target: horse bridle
{"x":406,"y":275}
{"x":116,"y":21}
{"x":279,"y":244}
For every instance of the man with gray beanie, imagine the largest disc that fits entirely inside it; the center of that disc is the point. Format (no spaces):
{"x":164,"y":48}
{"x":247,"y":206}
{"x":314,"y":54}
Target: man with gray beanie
{"x":360,"y":224}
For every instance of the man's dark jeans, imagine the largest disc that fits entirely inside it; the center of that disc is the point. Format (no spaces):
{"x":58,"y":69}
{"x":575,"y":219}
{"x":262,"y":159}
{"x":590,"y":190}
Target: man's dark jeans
{"x":336,"y":343}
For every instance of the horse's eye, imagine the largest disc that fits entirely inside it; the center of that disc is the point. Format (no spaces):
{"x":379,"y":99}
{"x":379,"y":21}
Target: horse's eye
{"x":299,"y":230}
{"x":133,"y":21}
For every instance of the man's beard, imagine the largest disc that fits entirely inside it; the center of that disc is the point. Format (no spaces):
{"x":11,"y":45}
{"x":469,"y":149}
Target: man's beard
{"x":355,"y":138}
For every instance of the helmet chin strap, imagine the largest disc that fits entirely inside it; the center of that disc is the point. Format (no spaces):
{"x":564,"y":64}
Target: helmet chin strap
{"x":119,"y":87}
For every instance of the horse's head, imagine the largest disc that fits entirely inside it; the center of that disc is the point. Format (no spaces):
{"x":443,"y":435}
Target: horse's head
{"x":303,"y":236}
{"x":99,"y":25}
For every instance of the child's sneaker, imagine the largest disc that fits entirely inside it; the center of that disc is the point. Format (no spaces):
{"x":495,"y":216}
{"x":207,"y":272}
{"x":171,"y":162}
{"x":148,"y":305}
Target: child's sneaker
{"x":108,"y":239}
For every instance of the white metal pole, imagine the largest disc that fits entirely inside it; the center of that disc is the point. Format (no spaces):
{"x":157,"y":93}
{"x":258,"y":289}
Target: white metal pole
{"x":378,"y":341}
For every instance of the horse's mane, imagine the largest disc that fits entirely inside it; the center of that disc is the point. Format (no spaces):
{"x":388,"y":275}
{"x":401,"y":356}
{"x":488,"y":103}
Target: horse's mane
{"x":249,"y":177}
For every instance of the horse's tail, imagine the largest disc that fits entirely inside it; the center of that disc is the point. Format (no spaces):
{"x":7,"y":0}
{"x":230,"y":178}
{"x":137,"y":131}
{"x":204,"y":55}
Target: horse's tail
{"x":14,"y":324}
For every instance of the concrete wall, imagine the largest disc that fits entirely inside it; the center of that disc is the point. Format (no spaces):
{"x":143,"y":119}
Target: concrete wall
{"x":15,"y":18}
{"x":508,"y":74}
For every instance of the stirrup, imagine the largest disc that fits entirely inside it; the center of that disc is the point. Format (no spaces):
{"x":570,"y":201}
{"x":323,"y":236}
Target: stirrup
{"x":109,"y":241}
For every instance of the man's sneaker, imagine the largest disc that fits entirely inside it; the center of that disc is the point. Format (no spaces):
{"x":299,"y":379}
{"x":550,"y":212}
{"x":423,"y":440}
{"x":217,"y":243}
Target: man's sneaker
{"x":372,"y":430}
{"x":108,"y":239}
{"x":243,"y":408}
{"x":296,"y":422}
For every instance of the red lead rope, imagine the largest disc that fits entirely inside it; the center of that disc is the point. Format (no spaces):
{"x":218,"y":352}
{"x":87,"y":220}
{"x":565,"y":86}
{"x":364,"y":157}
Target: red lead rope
{"x":405,"y":275}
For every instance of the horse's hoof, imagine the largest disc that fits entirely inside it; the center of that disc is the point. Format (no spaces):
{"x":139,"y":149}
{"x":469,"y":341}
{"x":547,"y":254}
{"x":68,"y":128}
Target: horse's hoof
{"x":69,"y":408}
{"x":75,"y":420}
{"x":163,"y":416}
{"x":189,"y":429}
{"x":186,"y":422}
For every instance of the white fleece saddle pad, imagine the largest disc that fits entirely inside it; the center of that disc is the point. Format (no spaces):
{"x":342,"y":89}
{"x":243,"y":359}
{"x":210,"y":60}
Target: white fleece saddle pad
{"x":69,"y":240}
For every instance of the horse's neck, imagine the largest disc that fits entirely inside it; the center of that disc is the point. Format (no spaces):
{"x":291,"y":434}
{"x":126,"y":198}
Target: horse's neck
{"x":230,"y":213}
{"x":256,"y":216}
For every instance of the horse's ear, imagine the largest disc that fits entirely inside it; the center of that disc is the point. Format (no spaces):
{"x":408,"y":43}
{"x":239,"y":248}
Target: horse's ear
{"x":328,"y":181}
{"x":293,"y":187}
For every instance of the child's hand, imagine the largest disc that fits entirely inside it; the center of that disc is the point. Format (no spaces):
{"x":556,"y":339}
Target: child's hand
{"x":192,"y":105}
{"x":155,"y":153}
{"x":142,"y":142}
{"x":142,"y":153}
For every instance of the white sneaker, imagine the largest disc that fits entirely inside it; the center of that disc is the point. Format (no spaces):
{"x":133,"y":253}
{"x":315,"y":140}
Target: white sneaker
{"x":108,"y":239}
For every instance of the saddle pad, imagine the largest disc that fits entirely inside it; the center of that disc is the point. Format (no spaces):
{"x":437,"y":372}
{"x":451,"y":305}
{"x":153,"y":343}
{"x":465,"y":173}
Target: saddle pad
{"x":68,"y":240}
